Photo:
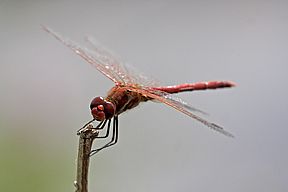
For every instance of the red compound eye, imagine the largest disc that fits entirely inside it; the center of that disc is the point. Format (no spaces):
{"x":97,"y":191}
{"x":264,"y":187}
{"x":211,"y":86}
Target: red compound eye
{"x":102,"y":109}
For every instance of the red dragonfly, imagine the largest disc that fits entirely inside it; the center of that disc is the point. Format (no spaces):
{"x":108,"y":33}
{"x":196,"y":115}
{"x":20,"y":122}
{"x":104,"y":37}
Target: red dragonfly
{"x":131,"y":89}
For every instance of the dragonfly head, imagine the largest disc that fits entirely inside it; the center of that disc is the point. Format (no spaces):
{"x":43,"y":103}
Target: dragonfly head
{"x":102,"y":109}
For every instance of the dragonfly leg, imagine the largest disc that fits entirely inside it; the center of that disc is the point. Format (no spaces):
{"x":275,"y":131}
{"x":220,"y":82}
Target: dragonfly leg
{"x":84,"y":127}
{"x":102,"y":126}
{"x":113,"y":140}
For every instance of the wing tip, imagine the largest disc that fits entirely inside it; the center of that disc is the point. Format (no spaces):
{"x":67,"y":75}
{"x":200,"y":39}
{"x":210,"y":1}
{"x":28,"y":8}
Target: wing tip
{"x":47,"y":29}
{"x":221,"y":130}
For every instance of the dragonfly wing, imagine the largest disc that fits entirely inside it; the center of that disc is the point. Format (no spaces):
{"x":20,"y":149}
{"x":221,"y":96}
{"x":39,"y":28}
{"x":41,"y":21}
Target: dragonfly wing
{"x":183,"y":103}
{"x":166,"y":98}
{"x":97,"y":60}
{"x":129,"y":74}
{"x":110,"y":59}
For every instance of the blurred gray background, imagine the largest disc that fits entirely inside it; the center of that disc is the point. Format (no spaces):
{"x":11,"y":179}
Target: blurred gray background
{"x":46,"y":90}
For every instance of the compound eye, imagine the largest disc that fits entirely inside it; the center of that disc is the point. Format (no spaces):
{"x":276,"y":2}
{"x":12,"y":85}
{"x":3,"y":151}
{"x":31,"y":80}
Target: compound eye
{"x":97,"y":101}
{"x":98,"y":115}
{"x":97,"y":108}
{"x":109,"y":110}
{"x":102,"y":109}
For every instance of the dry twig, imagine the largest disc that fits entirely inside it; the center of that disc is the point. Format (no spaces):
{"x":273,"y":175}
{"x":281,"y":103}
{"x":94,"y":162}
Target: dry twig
{"x":85,"y":144}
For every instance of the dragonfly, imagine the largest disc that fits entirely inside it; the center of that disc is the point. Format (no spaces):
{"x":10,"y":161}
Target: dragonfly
{"x":131,"y":89}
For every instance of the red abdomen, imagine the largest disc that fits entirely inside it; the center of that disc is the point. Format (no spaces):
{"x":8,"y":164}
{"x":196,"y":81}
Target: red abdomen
{"x":195,"y":86}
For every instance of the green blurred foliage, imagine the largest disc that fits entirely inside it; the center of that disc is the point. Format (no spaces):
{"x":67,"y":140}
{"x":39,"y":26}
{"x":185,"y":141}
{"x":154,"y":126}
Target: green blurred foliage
{"x":29,"y":166}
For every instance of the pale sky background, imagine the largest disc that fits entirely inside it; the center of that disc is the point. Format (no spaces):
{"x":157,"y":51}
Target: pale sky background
{"x":46,"y":90}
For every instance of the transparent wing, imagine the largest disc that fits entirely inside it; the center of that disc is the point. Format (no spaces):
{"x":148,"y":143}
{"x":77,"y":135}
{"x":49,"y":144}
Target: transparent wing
{"x":103,"y":61}
{"x":111,"y":71}
{"x":129,"y":74}
{"x":178,"y":105}
{"x":110,"y":59}
{"x":183,"y":103}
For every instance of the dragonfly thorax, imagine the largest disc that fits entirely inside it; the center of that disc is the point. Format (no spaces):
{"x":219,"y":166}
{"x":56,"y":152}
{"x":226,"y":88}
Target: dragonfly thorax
{"x":124,"y":99}
{"x":102,"y":109}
